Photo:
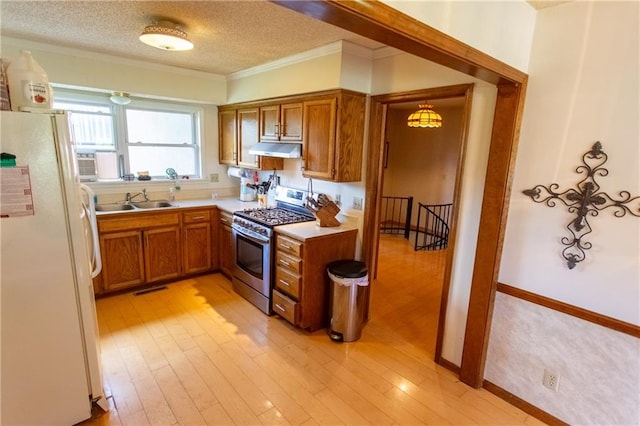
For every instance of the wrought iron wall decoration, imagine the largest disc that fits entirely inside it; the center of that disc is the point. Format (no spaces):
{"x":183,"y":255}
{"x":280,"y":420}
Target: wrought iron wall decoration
{"x":584,"y":201}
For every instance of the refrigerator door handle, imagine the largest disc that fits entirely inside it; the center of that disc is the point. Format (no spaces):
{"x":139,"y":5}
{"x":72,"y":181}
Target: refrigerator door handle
{"x":90,"y":210}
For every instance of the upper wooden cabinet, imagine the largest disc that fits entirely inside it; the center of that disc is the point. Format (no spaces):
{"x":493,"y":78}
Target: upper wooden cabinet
{"x":227,"y":137}
{"x":333,"y":132}
{"x":329,"y":124}
{"x":281,"y":122}
{"x":238,"y":133}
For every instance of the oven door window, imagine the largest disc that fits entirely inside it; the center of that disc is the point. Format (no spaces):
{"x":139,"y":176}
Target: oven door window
{"x":249,"y":256}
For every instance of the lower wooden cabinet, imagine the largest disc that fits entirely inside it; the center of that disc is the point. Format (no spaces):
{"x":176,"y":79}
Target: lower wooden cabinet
{"x":302,"y":285}
{"x":225,"y":243}
{"x":145,"y":247}
{"x":196,"y":241}
{"x":122,"y":260}
{"x":161,"y":253}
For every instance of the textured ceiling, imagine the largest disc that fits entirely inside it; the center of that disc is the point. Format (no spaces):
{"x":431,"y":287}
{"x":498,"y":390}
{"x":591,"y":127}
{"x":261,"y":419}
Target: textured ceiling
{"x":229,"y":36}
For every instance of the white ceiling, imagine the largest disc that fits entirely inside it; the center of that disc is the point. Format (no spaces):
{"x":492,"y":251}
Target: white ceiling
{"x":229,"y":36}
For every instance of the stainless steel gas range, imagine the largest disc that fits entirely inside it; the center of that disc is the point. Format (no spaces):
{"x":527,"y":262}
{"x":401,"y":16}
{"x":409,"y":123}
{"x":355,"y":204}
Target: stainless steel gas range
{"x":253,"y":235}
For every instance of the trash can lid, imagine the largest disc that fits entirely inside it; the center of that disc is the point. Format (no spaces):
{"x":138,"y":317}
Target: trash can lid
{"x":348,"y":268}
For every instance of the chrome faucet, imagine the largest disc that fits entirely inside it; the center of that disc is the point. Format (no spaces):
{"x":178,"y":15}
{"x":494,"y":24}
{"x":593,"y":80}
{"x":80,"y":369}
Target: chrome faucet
{"x":129,"y":198}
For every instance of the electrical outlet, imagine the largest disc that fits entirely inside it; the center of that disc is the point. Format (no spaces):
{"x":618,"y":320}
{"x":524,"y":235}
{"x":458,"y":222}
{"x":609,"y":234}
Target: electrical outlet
{"x":338,"y":200}
{"x":551,"y":380}
{"x":357,"y":203}
{"x":214,"y":177}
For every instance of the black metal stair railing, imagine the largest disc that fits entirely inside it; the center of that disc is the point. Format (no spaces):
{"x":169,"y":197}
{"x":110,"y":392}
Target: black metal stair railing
{"x":432,"y":229}
{"x":395,"y":215}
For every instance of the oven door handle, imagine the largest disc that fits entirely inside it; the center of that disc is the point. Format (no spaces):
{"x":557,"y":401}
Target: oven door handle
{"x":250,"y":237}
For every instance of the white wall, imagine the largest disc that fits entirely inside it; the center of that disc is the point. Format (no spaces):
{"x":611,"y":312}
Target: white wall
{"x":583,"y":88}
{"x":82,"y":69}
{"x":502,"y":29}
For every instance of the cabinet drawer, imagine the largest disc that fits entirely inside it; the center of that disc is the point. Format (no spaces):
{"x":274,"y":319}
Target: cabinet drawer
{"x":285,"y":307}
{"x":288,"y":282}
{"x":197,"y":216}
{"x":136,"y":221}
{"x":225,"y":218}
{"x":289,"y":263}
{"x":288,"y":245}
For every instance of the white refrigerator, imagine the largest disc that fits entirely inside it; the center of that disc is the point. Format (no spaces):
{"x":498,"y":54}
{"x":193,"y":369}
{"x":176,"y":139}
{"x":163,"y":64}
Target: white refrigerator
{"x":50,"y":370}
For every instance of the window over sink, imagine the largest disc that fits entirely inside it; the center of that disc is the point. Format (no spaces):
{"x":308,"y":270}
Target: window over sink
{"x":144,"y":135}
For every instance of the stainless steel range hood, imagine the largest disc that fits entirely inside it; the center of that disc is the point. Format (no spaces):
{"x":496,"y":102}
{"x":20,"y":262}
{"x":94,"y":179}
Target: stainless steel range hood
{"x":282,"y":150}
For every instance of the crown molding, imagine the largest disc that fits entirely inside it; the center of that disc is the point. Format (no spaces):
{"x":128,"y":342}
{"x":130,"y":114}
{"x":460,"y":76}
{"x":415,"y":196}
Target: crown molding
{"x":340,"y":46}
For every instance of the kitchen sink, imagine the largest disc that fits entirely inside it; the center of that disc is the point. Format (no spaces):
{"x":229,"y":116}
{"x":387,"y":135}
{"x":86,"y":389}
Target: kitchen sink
{"x":115,"y":207}
{"x":153,"y":204}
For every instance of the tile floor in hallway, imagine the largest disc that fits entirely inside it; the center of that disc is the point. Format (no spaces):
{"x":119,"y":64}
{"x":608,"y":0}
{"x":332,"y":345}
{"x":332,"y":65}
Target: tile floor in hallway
{"x":197,"y":353}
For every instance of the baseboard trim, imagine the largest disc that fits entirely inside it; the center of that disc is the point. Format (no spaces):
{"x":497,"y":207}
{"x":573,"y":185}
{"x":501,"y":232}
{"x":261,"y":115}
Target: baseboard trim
{"x":449,"y":365}
{"x":584,"y":314}
{"x":523,"y":405}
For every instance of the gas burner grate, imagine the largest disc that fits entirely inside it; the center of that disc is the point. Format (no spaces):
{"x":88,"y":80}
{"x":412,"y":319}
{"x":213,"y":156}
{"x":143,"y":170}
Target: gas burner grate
{"x":274,"y":216}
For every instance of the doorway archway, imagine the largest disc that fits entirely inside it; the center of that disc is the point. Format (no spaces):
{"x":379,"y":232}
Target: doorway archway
{"x":375,"y":166}
{"x":387,"y":25}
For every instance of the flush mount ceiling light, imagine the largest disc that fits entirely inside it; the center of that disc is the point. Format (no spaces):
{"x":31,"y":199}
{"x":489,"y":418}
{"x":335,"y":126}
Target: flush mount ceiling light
{"x":166,"y":35}
{"x":425,"y":117}
{"x":120,"y":98}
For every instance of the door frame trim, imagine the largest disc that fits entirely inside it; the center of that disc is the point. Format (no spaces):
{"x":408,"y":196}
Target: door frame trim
{"x":382,"y":23}
{"x":374,"y":184}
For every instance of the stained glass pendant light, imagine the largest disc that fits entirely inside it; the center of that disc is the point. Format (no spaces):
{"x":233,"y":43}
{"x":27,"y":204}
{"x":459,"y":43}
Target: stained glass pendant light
{"x":425,"y":117}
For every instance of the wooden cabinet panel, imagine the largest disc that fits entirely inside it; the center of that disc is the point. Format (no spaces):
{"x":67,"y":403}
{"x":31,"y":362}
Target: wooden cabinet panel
{"x":122,"y":258}
{"x":227,"y":137}
{"x":333,"y":130}
{"x":237,"y":134}
{"x":162,"y":253}
{"x":288,"y":245}
{"x":319,"y":139}
{"x":285,"y":307}
{"x":144,"y":247}
{"x":291,"y":122}
{"x":289,"y":263}
{"x":196,"y":247}
{"x":302,"y":284}
{"x":281,"y":122}
{"x":247,"y":137}
{"x":225,"y":244}
{"x":288,"y":282}
{"x":269,"y":122}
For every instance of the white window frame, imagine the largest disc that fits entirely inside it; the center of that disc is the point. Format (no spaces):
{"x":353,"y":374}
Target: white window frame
{"x":119,"y":123}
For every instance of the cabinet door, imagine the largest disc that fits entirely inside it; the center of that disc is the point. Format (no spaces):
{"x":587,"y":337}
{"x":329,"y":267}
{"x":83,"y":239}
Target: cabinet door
{"x":269,"y":123}
{"x":291,"y":122}
{"x":196,"y":247}
{"x":227,"y":262}
{"x":319,"y":138}
{"x":162,"y":253}
{"x":247,"y":137}
{"x":122,"y":260}
{"x":227,"y":153}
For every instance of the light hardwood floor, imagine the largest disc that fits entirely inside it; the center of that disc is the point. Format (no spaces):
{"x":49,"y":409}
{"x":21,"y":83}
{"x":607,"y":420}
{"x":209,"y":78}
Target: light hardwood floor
{"x":196,"y":353}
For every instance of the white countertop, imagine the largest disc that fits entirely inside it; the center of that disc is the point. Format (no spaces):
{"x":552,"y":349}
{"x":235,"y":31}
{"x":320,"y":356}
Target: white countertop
{"x":301,"y":231}
{"x":307,"y":230}
{"x":228,"y":204}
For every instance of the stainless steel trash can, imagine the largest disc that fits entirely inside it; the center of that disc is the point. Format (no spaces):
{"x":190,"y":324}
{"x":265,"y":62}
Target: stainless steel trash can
{"x":348,"y":291}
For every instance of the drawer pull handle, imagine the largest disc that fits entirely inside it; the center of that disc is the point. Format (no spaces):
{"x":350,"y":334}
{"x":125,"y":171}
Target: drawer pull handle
{"x":285,"y":246}
{"x":284,"y":262}
{"x":285,"y":283}
{"x":197,"y":217}
{"x":224,"y":220}
{"x":280,"y":307}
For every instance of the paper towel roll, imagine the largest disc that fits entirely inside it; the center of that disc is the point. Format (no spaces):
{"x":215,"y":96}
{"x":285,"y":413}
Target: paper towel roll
{"x":234,"y":172}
